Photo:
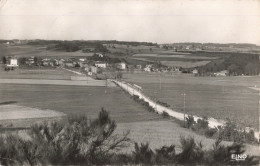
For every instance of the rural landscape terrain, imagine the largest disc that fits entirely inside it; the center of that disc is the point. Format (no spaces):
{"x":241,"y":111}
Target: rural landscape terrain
{"x":44,"y":83}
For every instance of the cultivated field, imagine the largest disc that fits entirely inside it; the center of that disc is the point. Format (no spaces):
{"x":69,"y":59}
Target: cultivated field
{"x":218,"y":97}
{"x":185,"y":64}
{"x":34,"y":50}
{"x":37,"y":73}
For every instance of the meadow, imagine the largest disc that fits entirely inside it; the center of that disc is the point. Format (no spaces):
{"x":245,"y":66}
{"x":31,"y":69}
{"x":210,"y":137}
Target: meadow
{"x":144,"y":126}
{"x":37,"y":73}
{"x":38,"y":51}
{"x":218,"y":97}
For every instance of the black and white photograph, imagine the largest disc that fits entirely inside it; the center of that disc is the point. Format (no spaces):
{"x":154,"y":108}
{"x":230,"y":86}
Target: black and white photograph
{"x":129,"y":82}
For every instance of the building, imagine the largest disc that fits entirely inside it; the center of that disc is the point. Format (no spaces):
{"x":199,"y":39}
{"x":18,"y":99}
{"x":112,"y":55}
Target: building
{"x":138,"y":66}
{"x":13,"y":62}
{"x":101,"y":64}
{"x":69,"y":64}
{"x":222,"y":73}
{"x":148,"y":68}
{"x":195,"y":71}
{"x":121,"y":65}
{"x":94,"y":69}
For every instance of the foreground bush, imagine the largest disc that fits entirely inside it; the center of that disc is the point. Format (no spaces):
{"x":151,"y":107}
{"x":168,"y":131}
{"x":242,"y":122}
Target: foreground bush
{"x":79,"y":141}
{"x":75,"y":141}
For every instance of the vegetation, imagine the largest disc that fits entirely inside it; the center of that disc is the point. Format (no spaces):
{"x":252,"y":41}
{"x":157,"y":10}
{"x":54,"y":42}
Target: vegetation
{"x":78,"y":140}
{"x":235,"y":63}
{"x":228,"y":132}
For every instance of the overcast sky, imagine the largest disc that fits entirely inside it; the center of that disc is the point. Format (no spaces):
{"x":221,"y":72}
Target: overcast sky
{"x":161,"y":21}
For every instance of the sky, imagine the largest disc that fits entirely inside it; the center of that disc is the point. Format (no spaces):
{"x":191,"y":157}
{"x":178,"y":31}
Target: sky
{"x":160,"y":21}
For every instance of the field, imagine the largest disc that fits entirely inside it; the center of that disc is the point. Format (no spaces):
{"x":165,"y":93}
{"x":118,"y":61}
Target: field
{"x":217,"y":97}
{"x":32,"y":50}
{"x":143,"y":125}
{"x":37,"y":73}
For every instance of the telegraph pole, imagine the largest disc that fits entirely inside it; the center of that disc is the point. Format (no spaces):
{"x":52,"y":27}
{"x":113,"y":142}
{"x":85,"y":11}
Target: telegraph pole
{"x":160,"y":82}
{"x":184,"y":105}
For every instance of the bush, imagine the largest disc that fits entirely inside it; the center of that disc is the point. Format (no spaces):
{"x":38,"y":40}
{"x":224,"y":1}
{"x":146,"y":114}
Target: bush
{"x":143,"y":154}
{"x":74,"y":141}
{"x":189,"y":121}
{"x":165,"y":114}
{"x":165,"y":155}
{"x":191,"y":152}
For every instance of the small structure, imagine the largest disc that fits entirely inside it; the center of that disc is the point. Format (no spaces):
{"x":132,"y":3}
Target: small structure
{"x":195,"y":71}
{"x":139,"y":67}
{"x":69,"y":64}
{"x":221,"y":73}
{"x":94,"y":69}
{"x":12,"y":62}
{"x":101,"y":64}
{"x":148,"y":68}
{"x":121,"y":65}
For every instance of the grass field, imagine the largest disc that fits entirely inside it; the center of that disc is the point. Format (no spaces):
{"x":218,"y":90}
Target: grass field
{"x":144,"y":126}
{"x":220,"y":98}
{"x":34,"y":50}
{"x":37,"y":73}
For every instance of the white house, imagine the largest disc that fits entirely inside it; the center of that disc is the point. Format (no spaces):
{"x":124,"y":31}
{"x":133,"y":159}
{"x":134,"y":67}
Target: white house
{"x":195,"y":71}
{"x":122,"y":65}
{"x":148,"y":68}
{"x":222,"y":73}
{"x":13,"y":62}
{"x":101,"y":64}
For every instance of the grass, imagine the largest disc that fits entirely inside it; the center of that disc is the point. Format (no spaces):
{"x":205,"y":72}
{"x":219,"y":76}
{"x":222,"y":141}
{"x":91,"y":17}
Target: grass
{"x":77,"y":100}
{"x":185,"y":64}
{"x":37,"y":73}
{"x":220,"y":98}
{"x":143,"y":125}
{"x":32,"y":50}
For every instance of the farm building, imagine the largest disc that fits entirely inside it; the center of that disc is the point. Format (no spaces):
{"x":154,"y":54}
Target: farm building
{"x":12,"y":62}
{"x":69,"y":64}
{"x":101,"y":64}
{"x":121,"y":65}
{"x":222,"y":73}
{"x":148,"y":68}
{"x":195,"y":71}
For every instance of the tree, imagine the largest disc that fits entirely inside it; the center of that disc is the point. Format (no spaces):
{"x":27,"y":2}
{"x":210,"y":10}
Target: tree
{"x":251,"y":69}
{"x":233,"y":69}
{"x":4,"y":60}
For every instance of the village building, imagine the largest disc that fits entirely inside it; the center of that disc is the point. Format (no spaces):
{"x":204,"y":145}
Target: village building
{"x":121,"y":65}
{"x":101,"y":64}
{"x":148,"y":68}
{"x":195,"y":71}
{"x":68,"y":64}
{"x":222,"y":73}
{"x":13,"y":62}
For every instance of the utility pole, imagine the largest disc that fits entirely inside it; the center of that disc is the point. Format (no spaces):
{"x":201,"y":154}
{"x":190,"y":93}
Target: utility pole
{"x":160,"y":82}
{"x":184,"y":104}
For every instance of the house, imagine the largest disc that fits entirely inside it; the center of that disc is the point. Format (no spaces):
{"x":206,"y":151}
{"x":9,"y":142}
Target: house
{"x":94,"y":69}
{"x":222,"y":73}
{"x":138,"y":66}
{"x":148,"y":68}
{"x":101,"y":64}
{"x":121,"y":65}
{"x":82,"y":59}
{"x":12,"y":62}
{"x":195,"y":71}
{"x":61,"y":62}
{"x":69,"y":64}
{"x":100,"y":55}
